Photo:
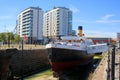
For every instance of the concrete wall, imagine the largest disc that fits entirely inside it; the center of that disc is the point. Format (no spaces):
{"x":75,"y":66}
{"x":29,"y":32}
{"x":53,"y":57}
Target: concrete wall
{"x":28,"y":62}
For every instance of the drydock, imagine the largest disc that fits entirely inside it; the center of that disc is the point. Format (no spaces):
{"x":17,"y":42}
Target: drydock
{"x":105,"y":68}
{"x":75,"y":57}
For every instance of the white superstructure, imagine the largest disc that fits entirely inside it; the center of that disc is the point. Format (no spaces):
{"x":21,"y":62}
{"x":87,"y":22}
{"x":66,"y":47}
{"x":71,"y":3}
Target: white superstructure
{"x":78,"y":43}
{"x":30,"y":24}
{"x":57,"y":22}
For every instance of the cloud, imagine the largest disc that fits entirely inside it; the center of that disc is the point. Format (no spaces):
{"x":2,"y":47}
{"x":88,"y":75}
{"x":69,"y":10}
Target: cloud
{"x":74,"y":9}
{"x":106,"y":19}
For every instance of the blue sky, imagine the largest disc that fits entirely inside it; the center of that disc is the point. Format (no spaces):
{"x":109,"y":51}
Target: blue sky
{"x":96,"y":16}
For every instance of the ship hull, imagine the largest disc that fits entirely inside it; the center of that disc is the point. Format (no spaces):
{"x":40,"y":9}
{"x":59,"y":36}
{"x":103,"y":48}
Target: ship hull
{"x":62,"y":59}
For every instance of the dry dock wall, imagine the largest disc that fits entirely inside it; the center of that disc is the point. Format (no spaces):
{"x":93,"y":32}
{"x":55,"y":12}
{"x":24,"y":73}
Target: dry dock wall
{"x":27,"y":62}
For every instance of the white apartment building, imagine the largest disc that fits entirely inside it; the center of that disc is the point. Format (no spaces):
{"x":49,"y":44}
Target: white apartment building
{"x":57,"y":22}
{"x":30,"y":24}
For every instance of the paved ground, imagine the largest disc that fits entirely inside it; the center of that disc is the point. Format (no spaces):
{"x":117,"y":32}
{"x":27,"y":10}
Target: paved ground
{"x":25,"y":46}
{"x":100,"y":72}
{"x":117,"y":66}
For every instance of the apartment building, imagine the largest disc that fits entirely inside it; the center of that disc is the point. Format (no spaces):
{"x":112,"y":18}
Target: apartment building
{"x":29,"y":24}
{"x":57,"y":22}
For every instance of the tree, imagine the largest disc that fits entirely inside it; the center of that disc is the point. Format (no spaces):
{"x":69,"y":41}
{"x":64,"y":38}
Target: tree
{"x":2,"y":37}
{"x":17,"y":38}
{"x":11,"y":36}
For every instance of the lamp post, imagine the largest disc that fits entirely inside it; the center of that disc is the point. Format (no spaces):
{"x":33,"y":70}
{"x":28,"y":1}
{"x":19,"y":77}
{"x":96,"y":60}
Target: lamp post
{"x":8,"y":40}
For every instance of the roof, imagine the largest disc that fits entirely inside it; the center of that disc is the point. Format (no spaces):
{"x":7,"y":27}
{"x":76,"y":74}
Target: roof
{"x":70,"y":38}
{"x":57,"y":8}
{"x":29,"y":8}
{"x":96,"y":36}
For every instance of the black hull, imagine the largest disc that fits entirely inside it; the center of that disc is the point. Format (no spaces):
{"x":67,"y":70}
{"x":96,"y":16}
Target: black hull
{"x":61,"y":59}
{"x":63,"y":55}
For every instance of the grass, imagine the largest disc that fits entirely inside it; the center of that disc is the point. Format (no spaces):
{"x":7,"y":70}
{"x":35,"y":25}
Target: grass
{"x":44,"y":73}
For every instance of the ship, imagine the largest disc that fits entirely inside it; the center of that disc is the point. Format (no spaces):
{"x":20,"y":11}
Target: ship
{"x":71,"y":51}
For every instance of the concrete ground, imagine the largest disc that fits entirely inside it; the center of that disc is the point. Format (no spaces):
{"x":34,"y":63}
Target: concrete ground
{"x":100,"y":72}
{"x":25,"y":46}
{"x":117,"y":65}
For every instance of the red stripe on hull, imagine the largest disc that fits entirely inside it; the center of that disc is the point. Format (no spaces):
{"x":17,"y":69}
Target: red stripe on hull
{"x":60,"y":66}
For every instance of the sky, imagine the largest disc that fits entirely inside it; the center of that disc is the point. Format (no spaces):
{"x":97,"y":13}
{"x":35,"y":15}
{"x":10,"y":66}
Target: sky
{"x":100,"y":17}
